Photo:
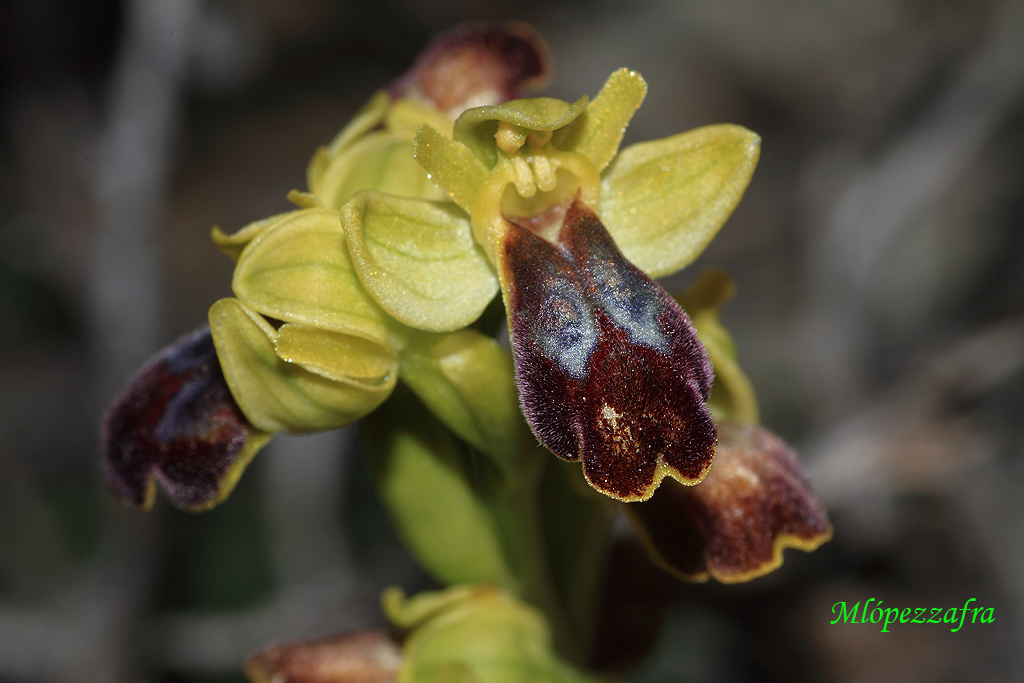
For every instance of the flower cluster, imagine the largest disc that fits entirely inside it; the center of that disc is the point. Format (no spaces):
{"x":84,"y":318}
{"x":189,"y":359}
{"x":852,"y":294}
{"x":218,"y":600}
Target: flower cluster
{"x":378,"y":298}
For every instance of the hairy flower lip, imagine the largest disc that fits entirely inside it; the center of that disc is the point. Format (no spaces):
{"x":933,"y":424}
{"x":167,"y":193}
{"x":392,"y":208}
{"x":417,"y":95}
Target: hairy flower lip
{"x":735,"y":525}
{"x":608,"y":366}
{"x":177,"y":425}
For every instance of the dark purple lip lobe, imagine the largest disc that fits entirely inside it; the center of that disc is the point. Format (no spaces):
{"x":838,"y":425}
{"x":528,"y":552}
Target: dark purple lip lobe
{"x":608,"y":365}
{"x":175,"y":423}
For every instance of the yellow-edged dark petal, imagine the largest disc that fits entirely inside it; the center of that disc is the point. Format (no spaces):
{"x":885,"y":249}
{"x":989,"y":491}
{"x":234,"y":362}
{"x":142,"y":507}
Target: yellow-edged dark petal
{"x":418,"y":260}
{"x":663,"y":201}
{"x":277,"y":395}
{"x":355,"y":657}
{"x":301,"y":272}
{"x":733,"y":526}
{"x":608,"y":365}
{"x":596,"y":134}
{"x":177,"y":425}
{"x":419,"y":473}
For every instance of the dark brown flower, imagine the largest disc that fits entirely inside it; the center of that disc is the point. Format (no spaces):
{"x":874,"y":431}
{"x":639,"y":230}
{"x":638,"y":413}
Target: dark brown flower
{"x":609,"y":368}
{"x":177,"y":424}
{"x":734,"y":525}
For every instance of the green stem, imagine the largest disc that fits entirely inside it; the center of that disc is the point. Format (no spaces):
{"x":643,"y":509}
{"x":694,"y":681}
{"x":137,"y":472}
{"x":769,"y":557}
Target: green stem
{"x":516,"y":511}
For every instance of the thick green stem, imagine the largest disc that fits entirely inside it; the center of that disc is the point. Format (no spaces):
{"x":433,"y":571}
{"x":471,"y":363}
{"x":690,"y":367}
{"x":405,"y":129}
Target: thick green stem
{"x":516,"y":509}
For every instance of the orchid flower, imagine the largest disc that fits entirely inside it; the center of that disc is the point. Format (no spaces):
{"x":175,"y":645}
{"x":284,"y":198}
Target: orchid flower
{"x":444,"y":209}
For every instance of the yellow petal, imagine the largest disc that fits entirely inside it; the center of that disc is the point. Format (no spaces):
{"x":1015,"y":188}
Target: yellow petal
{"x":597,"y":133}
{"x":233,"y":244}
{"x":304,"y":200}
{"x":277,"y":395}
{"x":450,"y":165}
{"x":475,"y":634}
{"x":365,"y":120}
{"x":335,"y":355}
{"x":301,"y":273}
{"x":663,"y":201}
{"x":381,"y":161}
{"x":406,"y":116}
{"x":418,"y":260}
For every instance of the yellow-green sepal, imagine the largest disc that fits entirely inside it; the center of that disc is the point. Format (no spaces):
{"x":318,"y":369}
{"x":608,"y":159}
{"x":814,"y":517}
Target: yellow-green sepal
{"x":413,"y":612}
{"x":475,"y":634}
{"x":233,"y":244}
{"x":732,"y":395}
{"x":418,"y":260}
{"x":366,"y":119}
{"x":406,"y":116}
{"x":301,"y":272}
{"x":467,"y":380}
{"x":276,"y":395}
{"x":597,"y":133}
{"x":419,"y":470}
{"x":663,"y":201}
{"x":450,"y":165}
{"x":382,"y":161}
{"x":335,"y":355}
{"x":476,"y":127}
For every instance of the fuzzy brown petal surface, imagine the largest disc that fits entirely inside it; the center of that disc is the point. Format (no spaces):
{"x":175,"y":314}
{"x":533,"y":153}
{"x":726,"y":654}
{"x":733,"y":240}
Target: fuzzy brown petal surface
{"x":733,"y":526}
{"x":608,"y":366}
{"x":177,"y":424}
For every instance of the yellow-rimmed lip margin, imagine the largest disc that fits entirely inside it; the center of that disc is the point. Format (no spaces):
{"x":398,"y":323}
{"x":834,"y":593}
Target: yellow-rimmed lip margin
{"x":733,"y":527}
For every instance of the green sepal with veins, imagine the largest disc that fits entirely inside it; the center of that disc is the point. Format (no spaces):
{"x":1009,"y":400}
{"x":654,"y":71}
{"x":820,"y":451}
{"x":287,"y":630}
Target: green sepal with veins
{"x":375,"y":152}
{"x":418,"y":260}
{"x":298,"y":378}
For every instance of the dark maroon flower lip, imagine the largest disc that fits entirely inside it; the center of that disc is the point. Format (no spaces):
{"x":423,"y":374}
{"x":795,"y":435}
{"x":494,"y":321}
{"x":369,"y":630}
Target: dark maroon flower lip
{"x":608,"y":365}
{"x":734,"y":526}
{"x":177,"y":424}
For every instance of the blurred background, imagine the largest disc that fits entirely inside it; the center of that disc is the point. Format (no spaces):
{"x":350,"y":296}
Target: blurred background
{"x":879,"y":256}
